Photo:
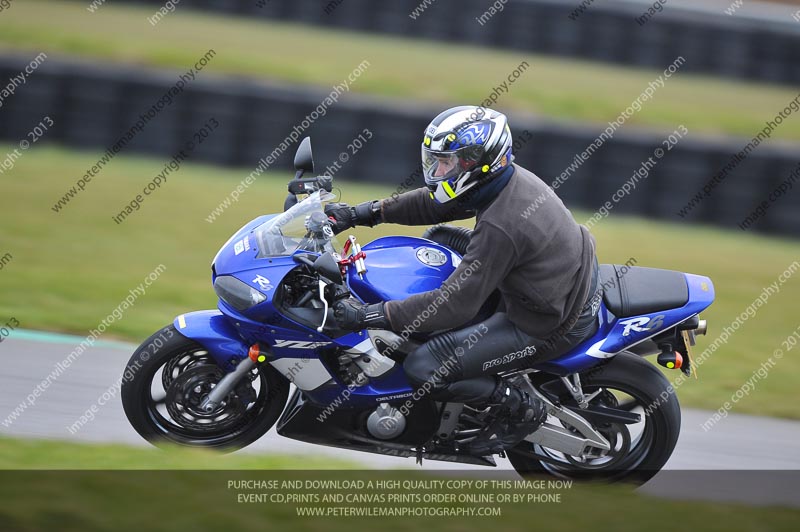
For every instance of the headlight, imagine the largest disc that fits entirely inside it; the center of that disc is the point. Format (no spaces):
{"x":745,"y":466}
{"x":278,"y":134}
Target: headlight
{"x":237,"y":294}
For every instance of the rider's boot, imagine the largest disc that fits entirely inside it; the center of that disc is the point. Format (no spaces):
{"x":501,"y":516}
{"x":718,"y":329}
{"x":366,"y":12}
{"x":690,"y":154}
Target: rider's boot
{"x":516,"y":414}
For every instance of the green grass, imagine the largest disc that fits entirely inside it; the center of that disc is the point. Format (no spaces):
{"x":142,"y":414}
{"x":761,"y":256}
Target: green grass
{"x":426,"y":71}
{"x":192,"y":498}
{"x":70,"y":270}
{"x":63,"y":455}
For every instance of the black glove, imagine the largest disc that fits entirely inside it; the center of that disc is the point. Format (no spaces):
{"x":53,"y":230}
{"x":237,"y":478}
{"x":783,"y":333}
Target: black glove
{"x":351,"y":315}
{"x":345,"y":216}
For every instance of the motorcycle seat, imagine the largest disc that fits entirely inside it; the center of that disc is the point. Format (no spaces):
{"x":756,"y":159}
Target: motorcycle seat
{"x":634,"y":290}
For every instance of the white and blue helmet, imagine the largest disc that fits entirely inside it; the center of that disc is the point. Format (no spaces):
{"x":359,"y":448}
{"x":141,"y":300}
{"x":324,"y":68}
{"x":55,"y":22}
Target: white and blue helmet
{"x":464,"y":147}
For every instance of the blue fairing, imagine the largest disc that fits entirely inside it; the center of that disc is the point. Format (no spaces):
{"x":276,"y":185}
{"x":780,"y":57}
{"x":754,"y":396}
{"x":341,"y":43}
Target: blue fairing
{"x":215,"y":332}
{"x":395,"y":272}
{"x":228,"y":260}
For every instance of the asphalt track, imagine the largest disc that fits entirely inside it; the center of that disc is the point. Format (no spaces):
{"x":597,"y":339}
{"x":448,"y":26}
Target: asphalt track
{"x":742,"y":458}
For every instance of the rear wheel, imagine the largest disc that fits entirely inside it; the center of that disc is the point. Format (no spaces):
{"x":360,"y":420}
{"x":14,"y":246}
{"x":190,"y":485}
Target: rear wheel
{"x":170,"y":375}
{"x":638,"y":451}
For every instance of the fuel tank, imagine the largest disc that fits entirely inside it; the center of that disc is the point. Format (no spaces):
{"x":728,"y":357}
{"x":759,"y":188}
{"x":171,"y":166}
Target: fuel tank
{"x":400,"y":266}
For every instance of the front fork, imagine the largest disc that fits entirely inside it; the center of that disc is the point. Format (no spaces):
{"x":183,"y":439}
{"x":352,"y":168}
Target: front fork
{"x":227,"y":384}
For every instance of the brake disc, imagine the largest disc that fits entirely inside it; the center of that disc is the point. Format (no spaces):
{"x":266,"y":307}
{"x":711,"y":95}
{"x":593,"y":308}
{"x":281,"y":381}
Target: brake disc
{"x":186,"y":393}
{"x":179,"y":364}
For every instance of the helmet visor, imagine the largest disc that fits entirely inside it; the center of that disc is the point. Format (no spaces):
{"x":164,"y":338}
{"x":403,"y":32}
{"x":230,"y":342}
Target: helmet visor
{"x":440,"y":165}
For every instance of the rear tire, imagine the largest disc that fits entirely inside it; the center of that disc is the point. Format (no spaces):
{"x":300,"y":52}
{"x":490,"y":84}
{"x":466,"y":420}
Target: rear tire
{"x":635,"y":377}
{"x":181,"y":370}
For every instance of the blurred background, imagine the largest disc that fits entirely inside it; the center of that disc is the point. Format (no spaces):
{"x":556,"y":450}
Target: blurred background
{"x":206,"y":101}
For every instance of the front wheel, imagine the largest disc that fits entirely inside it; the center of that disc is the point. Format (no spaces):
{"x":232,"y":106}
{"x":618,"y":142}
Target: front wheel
{"x":168,"y":377}
{"x":639,"y":450}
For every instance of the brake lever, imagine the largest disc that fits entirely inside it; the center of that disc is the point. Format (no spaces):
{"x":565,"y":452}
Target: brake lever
{"x":325,"y":304}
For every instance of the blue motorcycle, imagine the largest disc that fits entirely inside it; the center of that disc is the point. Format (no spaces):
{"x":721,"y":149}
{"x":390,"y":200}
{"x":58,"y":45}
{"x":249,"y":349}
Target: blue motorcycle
{"x":222,"y":378}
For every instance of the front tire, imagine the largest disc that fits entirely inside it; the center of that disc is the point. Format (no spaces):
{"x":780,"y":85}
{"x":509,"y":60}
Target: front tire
{"x":169,"y":374}
{"x":638,"y":386}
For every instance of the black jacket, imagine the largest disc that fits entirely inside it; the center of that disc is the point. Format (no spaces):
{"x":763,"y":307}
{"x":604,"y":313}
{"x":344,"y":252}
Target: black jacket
{"x":526,"y":244}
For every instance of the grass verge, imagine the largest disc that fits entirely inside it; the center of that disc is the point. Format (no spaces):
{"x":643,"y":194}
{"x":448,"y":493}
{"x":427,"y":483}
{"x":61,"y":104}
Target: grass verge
{"x":47,"y":455}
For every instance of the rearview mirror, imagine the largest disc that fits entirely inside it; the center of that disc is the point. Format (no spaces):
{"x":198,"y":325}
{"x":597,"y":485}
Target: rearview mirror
{"x":327,"y":266}
{"x":303,"y":159}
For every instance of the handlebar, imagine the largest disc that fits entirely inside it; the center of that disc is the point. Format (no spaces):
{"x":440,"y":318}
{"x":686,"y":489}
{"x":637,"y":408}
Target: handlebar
{"x":306,"y":185}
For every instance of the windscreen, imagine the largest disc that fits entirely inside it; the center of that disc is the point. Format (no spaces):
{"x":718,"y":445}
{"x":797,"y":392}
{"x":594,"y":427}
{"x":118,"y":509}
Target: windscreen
{"x":304,"y":227}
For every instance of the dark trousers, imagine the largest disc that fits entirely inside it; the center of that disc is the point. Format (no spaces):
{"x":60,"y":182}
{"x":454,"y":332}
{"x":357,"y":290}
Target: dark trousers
{"x":460,"y":366}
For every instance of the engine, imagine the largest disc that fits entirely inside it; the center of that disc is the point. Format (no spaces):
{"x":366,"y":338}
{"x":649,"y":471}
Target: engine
{"x":386,"y":422}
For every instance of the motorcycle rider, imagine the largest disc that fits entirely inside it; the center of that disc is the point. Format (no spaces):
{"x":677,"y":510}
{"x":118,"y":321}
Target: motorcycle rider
{"x":525,"y":244}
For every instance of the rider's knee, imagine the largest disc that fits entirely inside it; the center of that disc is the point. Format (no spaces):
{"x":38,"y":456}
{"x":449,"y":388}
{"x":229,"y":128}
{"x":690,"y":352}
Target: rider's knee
{"x":419,"y":367}
{"x":425,"y":370}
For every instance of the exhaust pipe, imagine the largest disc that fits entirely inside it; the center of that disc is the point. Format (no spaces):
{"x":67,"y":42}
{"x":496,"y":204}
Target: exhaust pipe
{"x":694,"y":324}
